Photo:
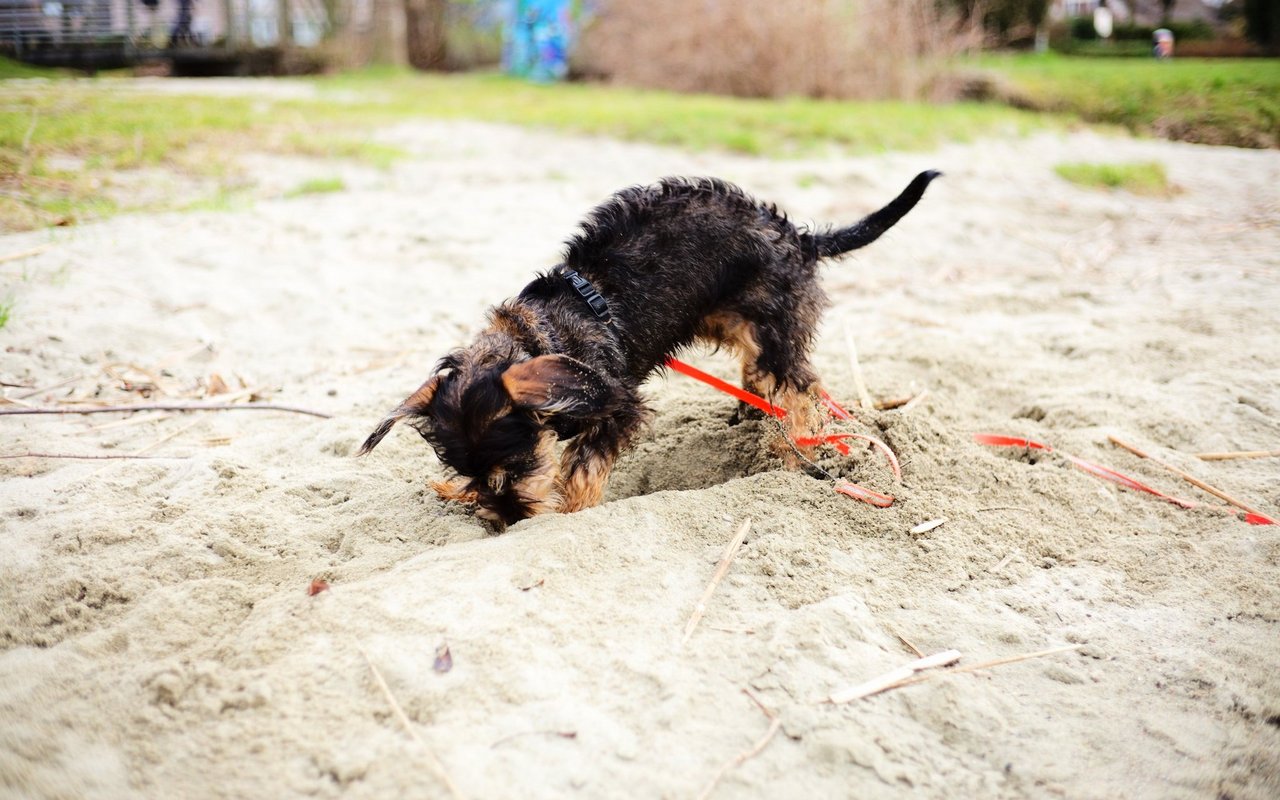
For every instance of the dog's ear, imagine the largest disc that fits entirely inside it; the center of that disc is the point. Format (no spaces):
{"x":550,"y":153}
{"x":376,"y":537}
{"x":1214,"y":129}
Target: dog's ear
{"x":455,"y":490}
{"x":417,"y":404}
{"x":556,"y":384}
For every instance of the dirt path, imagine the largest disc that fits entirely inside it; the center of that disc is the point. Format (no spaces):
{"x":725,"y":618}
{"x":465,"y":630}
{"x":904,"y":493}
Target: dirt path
{"x":156,"y":637}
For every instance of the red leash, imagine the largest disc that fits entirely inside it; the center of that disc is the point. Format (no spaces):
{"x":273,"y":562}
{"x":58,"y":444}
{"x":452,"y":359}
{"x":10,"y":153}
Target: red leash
{"x":866,"y":495}
{"x":1108,"y":474}
{"x":836,"y":440}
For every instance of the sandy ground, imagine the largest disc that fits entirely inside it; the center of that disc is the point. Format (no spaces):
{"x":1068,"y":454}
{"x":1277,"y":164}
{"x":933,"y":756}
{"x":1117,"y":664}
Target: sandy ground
{"x":157,"y":638}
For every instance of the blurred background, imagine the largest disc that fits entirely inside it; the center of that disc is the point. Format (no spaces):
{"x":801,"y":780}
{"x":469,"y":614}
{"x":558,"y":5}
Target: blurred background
{"x":757,"y":48}
{"x":848,"y":76}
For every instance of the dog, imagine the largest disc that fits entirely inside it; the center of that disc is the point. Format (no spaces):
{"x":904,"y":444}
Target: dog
{"x":652,"y":270}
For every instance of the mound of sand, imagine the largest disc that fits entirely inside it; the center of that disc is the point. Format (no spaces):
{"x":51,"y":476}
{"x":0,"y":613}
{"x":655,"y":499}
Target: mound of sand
{"x":157,"y":637}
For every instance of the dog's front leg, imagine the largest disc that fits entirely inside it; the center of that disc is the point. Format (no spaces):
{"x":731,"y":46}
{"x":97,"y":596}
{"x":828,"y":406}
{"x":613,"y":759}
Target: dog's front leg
{"x":584,"y":471}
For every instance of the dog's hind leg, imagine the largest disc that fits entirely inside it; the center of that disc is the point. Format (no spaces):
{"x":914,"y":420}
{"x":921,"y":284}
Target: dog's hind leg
{"x":776,"y":367}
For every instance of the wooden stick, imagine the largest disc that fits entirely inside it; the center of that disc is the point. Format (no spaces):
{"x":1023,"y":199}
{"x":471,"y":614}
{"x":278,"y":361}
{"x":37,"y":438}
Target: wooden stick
{"x":893,"y":402}
{"x":742,"y":758}
{"x":859,"y":382}
{"x":1003,"y":563}
{"x":915,"y":401}
{"x":1238,"y":454}
{"x":167,"y":407}
{"x":435,"y":764}
{"x":725,"y":560}
{"x":547,"y":732}
{"x":140,"y":419}
{"x":40,"y":389}
{"x":890,"y":679}
{"x":759,"y":703}
{"x":34,"y":251}
{"x":997,"y":662}
{"x":88,"y":457}
{"x":1000,"y":662}
{"x":1191,"y":479}
{"x":910,"y":646}
{"x":774,"y":724}
{"x":166,"y":438}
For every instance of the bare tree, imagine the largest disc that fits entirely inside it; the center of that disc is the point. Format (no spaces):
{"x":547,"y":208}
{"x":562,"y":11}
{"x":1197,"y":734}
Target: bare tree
{"x":425,"y":33}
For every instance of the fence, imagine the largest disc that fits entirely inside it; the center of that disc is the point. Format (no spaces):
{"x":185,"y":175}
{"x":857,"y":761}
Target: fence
{"x":91,"y":32}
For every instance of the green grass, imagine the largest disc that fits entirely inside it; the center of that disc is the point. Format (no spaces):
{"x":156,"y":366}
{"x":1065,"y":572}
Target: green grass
{"x":6,"y":311}
{"x":699,"y":122}
{"x":16,"y":69}
{"x":60,"y":140}
{"x":102,"y":125}
{"x":1212,"y":101}
{"x":1139,"y":177}
{"x":317,"y":186}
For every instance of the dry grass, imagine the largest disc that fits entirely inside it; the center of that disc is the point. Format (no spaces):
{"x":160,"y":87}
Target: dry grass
{"x":853,"y":49}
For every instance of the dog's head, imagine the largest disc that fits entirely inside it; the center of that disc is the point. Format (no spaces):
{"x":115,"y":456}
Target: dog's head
{"x":492,"y":421}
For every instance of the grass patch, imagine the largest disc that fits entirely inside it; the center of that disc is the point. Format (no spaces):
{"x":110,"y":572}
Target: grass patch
{"x":6,"y":311}
{"x":317,"y":186}
{"x":1139,"y":177}
{"x":10,"y":69}
{"x":1211,"y":101}
{"x":699,"y":122}
{"x":66,"y":137}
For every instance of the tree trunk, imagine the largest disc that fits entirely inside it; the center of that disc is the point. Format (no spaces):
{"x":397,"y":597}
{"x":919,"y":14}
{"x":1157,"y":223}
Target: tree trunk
{"x":386,"y":40}
{"x":424,"y":33}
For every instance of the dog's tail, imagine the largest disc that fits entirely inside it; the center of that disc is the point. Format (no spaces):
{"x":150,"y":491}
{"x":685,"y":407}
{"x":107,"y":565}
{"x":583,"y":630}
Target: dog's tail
{"x":870,"y":227}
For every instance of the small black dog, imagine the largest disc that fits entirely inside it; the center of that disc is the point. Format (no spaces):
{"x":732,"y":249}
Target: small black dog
{"x":654,"y":269}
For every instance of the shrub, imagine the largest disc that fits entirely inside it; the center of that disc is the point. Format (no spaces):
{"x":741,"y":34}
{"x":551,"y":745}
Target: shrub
{"x":777,"y":48}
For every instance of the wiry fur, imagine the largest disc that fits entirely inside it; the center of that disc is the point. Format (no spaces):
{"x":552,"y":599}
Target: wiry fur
{"x":684,"y":259}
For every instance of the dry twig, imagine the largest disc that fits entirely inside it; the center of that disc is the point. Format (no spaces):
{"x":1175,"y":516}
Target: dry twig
{"x":87,"y":457}
{"x":997,"y":662}
{"x":435,"y":764}
{"x":928,"y":525}
{"x":774,"y":724}
{"x":1191,"y":479}
{"x":859,"y":381}
{"x":166,"y":438}
{"x":167,"y":407}
{"x":20,"y":254}
{"x":893,"y":402}
{"x":889,"y":680}
{"x":1004,"y":562}
{"x":547,"y":732}
{"x":40,"y":389}
{"x":910,"y":646}
{"x":725,"y":560}
{"x":1238,"y":454}
{"x":915,"y":401}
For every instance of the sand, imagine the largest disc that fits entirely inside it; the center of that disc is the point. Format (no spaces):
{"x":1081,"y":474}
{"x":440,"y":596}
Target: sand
{"x":156,"y":634}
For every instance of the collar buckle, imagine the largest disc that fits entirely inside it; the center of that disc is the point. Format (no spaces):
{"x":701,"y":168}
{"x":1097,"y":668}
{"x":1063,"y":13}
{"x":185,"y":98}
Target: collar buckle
{"x":595,"y":301}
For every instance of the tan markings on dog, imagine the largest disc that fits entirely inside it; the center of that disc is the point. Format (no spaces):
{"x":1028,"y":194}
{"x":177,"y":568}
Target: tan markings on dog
{"x":455,"y":490}
{"x":804,"y":419}
{"x":732,"y":331}
{"x":584,"y":483}
{"x":422,"y":397}
{"x":539,"y":488}
{"x":518,"y":322}
{"x":527,"y":384}
{"x":497,"y":480}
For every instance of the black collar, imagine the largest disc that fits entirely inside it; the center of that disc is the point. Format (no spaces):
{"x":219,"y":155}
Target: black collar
{"x":599,"y":306}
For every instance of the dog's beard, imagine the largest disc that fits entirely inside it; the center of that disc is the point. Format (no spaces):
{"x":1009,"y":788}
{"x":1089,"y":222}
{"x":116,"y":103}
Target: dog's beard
{"x":535,"y":492}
